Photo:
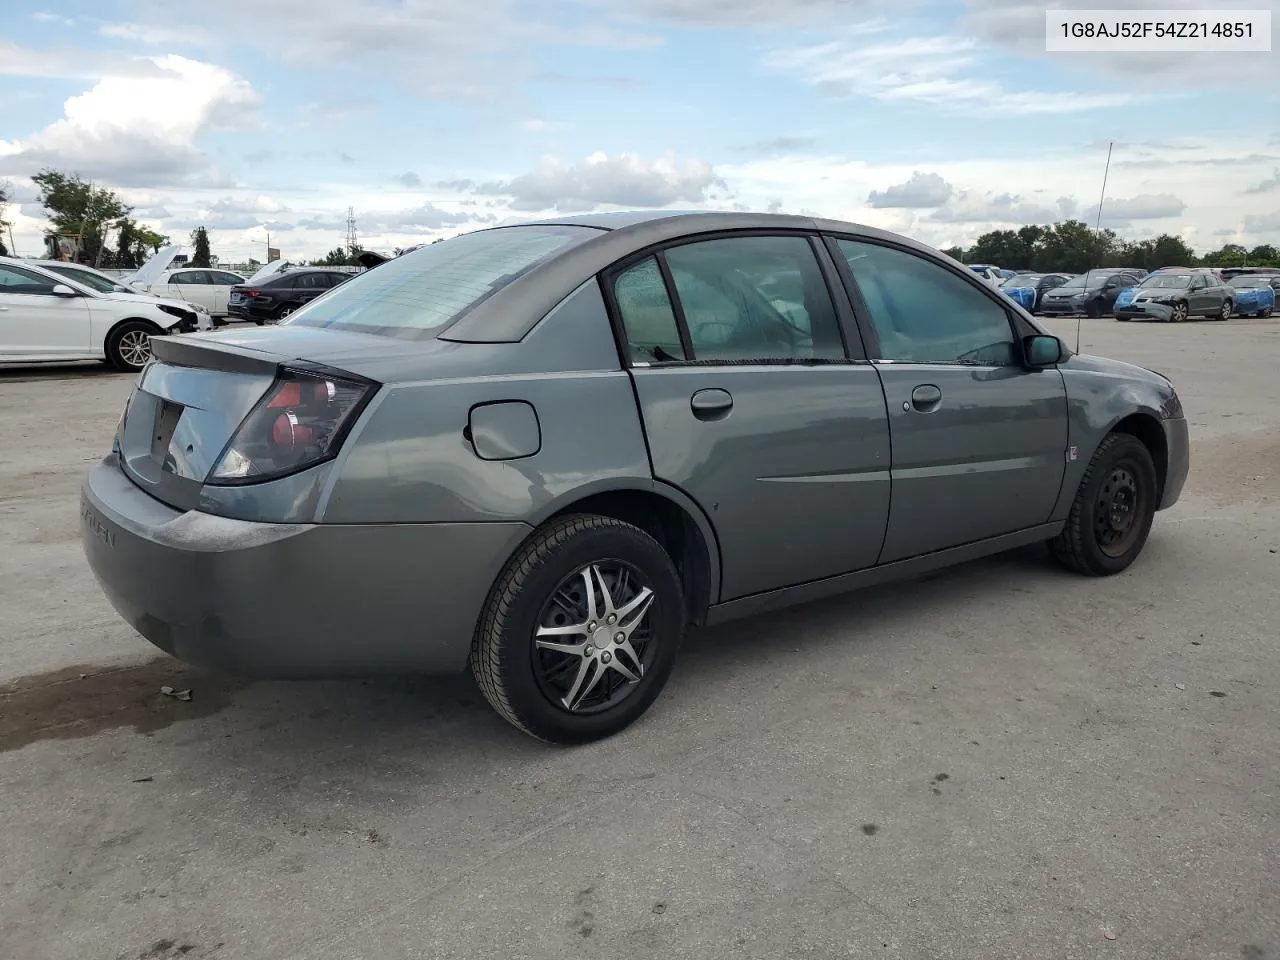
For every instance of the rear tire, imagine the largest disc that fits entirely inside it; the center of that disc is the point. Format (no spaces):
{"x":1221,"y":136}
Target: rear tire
{"x":128,"y":346}
{"x":284,"y":312}
{"x":593,"y":685}
{"x":1113,"y":509}
{"x":1228,"y":308}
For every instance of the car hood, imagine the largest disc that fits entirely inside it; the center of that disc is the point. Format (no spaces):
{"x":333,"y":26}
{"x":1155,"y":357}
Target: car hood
{"x":152,"y":299}
{"x":1116,"y":368}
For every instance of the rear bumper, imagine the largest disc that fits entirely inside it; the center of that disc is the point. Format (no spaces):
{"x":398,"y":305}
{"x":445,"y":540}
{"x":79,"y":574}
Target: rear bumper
{"x":290,"y":601}
{"x":1178,"y":443}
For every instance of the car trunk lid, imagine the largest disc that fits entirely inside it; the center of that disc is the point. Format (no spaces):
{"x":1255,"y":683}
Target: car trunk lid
{"x":189,"y":402}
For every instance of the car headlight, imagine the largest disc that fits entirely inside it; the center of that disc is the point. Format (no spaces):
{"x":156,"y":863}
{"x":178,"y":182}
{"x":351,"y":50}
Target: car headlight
{"x":178,"y":312}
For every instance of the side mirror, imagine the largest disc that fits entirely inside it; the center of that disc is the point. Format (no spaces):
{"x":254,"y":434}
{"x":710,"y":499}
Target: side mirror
{"x":1042,"y":351}
{"x":62,"y":290}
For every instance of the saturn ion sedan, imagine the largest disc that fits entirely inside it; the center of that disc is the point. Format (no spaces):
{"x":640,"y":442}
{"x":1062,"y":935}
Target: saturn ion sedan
{"x":545,"y":450}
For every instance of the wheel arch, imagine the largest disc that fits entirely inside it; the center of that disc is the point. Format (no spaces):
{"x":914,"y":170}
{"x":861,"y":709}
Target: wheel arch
{"x":672,"y":519}
{"x":1145,"y":426}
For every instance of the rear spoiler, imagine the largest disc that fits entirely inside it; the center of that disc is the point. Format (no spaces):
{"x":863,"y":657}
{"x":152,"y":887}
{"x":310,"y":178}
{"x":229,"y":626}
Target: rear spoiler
{"x":191,"y":351}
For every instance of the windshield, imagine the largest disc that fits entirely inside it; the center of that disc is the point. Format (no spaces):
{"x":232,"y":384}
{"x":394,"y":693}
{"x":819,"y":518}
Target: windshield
{"x":417,"y":295}
{"x":1172,"y":281}
{"x":90,"y":280}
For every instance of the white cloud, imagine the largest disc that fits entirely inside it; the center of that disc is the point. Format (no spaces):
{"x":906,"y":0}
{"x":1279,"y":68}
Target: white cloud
{"x":1269,"y":185}
{"x":140,"y":130}
{"x":155,"y":34}
{"x":624,"y":180}
{"x":1263,"y":223}
{"x":921,"y":190}
{"x":933,"y":70}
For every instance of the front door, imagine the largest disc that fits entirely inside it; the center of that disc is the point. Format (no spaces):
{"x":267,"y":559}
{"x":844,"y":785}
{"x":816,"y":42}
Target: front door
{"x":35,"y":322}
{"x":979,"y":441}
{"x":752,"y":408}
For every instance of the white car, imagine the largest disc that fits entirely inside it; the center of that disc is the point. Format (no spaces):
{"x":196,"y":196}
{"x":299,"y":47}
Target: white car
{"x":46,"y":317}
{"x":208,"y":287}
{"x":104,"y":283}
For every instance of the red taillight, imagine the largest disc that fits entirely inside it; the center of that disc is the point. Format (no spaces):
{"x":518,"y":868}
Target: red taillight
{"x":300,"y":422}
{"x":251,"y":293}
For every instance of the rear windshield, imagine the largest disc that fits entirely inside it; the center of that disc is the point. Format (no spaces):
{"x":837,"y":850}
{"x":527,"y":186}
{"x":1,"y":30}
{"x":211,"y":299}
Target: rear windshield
{"x":1170,"y":281}
{"x":417,"y":295}
{"x":1249,"y":283}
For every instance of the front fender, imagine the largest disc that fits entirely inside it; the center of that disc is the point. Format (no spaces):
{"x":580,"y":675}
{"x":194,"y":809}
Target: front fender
{"x":1100,"y":394}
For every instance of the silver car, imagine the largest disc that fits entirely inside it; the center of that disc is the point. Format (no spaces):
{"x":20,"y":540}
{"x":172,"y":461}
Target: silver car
{"x":545,"y":450}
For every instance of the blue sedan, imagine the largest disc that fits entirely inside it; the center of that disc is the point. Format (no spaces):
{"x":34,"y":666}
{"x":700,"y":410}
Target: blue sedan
{"x":1255,"y":296}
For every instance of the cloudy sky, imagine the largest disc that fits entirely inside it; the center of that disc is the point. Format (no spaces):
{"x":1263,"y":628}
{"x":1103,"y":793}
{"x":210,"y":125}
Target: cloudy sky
{"x":938,"y":118}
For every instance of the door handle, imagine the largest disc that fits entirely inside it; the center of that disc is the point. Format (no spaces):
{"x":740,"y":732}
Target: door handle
{"x":711,"y":404}
{"x":926,"y":398}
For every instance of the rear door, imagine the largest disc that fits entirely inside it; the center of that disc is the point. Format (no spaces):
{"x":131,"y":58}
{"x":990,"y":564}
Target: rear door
{"x":752,"y":406}
{"x":979,"y":441}
{"x":221,"y":283}
{"x":35,"y":322}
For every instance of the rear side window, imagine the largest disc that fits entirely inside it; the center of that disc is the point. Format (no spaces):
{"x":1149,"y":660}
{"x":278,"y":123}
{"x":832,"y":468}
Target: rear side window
{"x":418,"y":295}
{"x":647,"y":315}
{"x":13,"y":280}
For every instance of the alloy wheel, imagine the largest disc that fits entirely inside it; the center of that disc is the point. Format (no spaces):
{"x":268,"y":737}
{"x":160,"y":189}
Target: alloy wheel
{"x":1226,"y":310}
{"x":1120,"y":503}
{"x":135,"y":347}
{"x":594,"y":640}
{"x":1180,"y":312}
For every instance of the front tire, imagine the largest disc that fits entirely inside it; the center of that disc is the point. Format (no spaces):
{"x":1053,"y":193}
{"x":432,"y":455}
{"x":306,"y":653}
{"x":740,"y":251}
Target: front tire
{"x":580,"y":632}
{"x":1112,"y":513}
{"x":128,"y":346}
{"x":1181,"y":310}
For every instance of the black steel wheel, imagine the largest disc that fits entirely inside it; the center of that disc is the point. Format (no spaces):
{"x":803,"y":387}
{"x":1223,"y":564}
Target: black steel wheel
{"x":580,"y":631}
{"x":1113,"y":509}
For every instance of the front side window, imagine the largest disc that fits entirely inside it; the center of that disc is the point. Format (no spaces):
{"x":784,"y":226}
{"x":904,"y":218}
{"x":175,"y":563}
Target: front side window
{"x":923,"y":313}
{"x":755,"y":298}
{"x":417,"y":295}
{"x":13,"y":280}
{"x":648,"y":319}
{"x":90,"y":280}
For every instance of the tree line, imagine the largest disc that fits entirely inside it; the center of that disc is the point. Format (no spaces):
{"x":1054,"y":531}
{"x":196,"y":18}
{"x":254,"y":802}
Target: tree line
{"x":1072,"y":246}
{"x":107,"y":236}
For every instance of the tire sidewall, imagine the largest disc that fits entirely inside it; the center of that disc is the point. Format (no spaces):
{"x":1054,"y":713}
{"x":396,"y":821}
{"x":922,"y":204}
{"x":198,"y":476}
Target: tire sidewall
{"x":516,"y":646}
{"x":1126,"y":447}
{"x":1186,"y":312}
{"x":1227,"y":310}
{"x":113,"y":343}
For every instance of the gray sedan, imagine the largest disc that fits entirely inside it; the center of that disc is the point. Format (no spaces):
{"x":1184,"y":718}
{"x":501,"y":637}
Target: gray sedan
{"x":545,"y":450}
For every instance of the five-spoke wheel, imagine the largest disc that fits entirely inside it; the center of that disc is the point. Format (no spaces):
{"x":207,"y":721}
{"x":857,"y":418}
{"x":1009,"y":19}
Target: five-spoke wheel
{"x":580,"y":632}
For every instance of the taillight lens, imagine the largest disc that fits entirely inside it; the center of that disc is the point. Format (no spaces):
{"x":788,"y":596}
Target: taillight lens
{"x":301,"y":421}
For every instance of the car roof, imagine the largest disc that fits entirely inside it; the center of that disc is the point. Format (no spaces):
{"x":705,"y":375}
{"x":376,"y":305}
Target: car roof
{"x":511,"y":311}
{"x":35,"y":265}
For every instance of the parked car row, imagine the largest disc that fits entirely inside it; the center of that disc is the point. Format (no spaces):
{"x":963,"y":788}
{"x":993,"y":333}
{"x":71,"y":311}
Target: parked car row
{"x":1170,"y":294}
{"x":57,"y":312}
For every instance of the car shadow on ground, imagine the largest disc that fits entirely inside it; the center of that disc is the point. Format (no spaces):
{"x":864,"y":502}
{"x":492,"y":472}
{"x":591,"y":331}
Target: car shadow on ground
{"x":361,"y":718}
{"x":36,"y":372}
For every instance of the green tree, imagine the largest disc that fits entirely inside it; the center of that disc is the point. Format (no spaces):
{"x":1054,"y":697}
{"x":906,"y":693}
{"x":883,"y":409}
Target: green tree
{"x":339,"y":257}
{"x":126,"y":245}
{"x":1231,"y":255}
{"x":955,"y":253}
{"x":76,"y":206}
{"x":1264,"y":255}
{"x":200,"y":240}
{"x":1074,"y":247}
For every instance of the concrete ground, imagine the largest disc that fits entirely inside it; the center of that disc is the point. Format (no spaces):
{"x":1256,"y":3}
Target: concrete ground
{"x":1004,"y":761}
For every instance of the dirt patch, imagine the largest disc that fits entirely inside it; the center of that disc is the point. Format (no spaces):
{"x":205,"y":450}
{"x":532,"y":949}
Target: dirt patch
{"x":83,"y":700}
{"x":1237,"y":468}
